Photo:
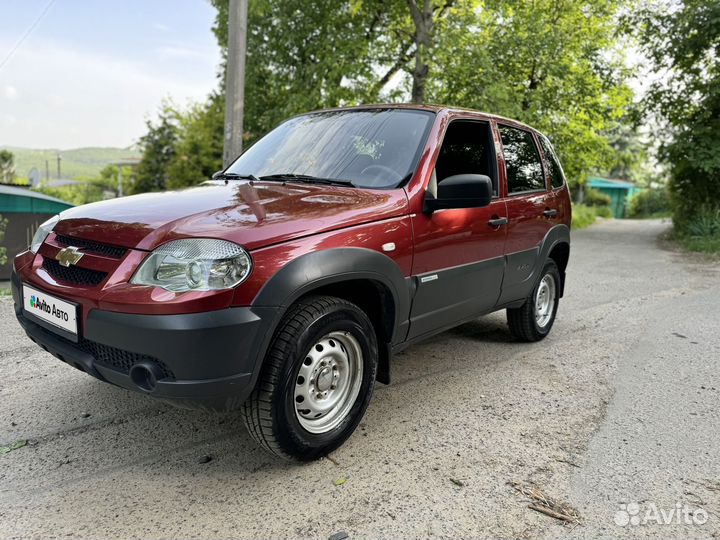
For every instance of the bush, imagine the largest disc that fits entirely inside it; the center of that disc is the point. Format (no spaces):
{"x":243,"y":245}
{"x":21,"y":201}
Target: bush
{"x":603,"y":212}
{"x":705,"y":223}
{"x":701,"y":231}
{"x":593,"y":197}
{"x":583,"y":216}
{"x":650,"y":203}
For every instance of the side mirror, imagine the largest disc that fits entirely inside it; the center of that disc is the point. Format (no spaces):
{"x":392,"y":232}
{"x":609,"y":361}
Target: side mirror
{"x":460,"y":191}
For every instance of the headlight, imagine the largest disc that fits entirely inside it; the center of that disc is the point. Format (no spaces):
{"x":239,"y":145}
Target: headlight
{"x":195,"y":265}
{"x":42,"y":233}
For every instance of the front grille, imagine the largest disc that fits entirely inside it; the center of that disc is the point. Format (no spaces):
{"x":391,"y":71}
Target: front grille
{"x":91,"y":247}
{"x":73,"y":274}
{"x":119,"y":359}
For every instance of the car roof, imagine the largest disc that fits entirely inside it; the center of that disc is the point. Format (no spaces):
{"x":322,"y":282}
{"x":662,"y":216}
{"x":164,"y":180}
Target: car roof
{"x":426,"y":107}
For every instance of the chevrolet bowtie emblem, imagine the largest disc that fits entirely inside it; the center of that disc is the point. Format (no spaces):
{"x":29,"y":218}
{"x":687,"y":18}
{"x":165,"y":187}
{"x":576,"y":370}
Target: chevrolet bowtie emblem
{"x":69,"y":255}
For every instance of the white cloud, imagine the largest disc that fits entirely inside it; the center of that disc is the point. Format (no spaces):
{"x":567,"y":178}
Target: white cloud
{"x":73,"y":98}
{"x":10,"y":92}
{"x":160,"y":27}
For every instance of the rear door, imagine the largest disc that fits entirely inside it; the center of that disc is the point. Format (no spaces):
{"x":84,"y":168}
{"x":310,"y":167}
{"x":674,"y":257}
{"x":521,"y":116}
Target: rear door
{"x":458,"y":263}
{"x":530,"y":208}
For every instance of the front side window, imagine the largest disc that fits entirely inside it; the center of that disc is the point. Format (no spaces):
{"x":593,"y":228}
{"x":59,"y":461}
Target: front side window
{"x":552,"y":163}
{"x":372,"y":148}
{"x":467,"y":149}
{"x":522,"y":160}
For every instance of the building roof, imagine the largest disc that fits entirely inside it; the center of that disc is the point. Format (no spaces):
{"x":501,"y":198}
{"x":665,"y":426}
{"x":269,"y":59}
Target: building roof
{"x":18,"y":199}
{"x":610,"y":183}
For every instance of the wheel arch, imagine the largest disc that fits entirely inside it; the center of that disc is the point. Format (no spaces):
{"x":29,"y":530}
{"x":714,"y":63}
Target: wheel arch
{"x":560,"y":253}
{"x":556,"y":246}
{"x":369,"y":279}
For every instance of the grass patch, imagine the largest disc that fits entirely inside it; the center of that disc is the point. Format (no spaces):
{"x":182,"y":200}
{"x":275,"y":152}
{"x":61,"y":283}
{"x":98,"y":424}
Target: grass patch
{"x":699,"y":244}
{"x":701,"y":233}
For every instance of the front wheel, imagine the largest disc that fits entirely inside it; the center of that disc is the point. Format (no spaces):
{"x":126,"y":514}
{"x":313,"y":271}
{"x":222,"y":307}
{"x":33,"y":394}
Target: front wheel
{"x":316,"y":381}
{"x":533,"y":320}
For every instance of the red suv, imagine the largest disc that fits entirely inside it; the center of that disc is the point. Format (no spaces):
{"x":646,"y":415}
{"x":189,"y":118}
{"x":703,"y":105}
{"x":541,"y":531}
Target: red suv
{"x":284,"y":285}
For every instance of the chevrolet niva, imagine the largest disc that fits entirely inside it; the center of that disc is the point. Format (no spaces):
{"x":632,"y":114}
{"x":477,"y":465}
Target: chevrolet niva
{"x":283,"y":286}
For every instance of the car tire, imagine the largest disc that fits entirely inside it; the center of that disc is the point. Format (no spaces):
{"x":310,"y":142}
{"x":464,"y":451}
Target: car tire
{"x":534,"y":319}
{"x":316,"y":381}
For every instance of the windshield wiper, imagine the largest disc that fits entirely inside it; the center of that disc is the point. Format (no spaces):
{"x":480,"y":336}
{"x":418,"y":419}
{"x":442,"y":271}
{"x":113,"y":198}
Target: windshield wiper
{"x":291,"y":177}
{"x":235,"y":176}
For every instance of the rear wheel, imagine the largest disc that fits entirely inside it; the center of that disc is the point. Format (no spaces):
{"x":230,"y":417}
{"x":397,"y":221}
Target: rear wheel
{"x":316,"y":381}
{"x":533,"y":320}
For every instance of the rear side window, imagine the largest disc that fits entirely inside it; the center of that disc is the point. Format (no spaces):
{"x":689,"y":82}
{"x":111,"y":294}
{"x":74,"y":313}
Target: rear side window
{"x":522,"y":160}
{"x":552,"y":163}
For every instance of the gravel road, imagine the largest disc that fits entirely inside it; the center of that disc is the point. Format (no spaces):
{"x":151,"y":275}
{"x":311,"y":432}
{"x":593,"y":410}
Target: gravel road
{"x":616,"y":411}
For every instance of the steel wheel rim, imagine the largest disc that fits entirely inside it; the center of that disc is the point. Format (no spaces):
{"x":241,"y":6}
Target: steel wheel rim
{"x":328,"y":382}
{"x":545,"y":301}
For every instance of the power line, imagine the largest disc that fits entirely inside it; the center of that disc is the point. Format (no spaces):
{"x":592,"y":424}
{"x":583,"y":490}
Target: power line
{"x":26,"y":34}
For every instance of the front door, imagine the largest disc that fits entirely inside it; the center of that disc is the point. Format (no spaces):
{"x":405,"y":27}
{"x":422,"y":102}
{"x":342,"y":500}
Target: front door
{"x":458,"y":264}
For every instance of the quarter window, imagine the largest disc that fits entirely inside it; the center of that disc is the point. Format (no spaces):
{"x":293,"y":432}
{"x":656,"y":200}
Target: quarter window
{"x":522,"y":160}
{"x":552,"y":163}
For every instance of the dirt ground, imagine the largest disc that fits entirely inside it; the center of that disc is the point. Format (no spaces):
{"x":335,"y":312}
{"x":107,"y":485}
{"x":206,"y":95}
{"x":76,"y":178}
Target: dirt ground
{"x":614,"y":414}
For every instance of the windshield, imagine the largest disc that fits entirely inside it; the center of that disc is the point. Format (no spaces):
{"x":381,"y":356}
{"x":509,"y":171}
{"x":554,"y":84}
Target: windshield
{"x":372,"y":148}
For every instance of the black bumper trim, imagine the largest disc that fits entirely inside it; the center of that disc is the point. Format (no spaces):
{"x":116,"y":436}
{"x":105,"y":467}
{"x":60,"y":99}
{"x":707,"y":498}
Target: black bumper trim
{"x":214,"y":356}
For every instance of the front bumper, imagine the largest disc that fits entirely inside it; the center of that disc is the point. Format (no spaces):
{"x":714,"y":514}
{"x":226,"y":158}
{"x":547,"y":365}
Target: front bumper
{"x":204,"y":360}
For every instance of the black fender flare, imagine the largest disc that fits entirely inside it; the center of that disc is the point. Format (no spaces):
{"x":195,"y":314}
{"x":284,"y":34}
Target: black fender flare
{"x":559,"y":234}
{"x":317,"y":269}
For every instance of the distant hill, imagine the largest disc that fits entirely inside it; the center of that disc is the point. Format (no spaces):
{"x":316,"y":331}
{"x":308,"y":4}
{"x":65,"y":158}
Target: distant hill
{"x":77,"y":163}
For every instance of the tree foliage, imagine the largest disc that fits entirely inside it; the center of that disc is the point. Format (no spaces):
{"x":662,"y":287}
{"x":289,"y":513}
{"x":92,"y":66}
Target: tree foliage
{"x":683,"y":41}
{"x":7,"y":166}
{"x":158,"y":147}
{"x":554,"y":64}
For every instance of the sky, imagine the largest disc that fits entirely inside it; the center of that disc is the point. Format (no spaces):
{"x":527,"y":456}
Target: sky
{"x":91,"y":72}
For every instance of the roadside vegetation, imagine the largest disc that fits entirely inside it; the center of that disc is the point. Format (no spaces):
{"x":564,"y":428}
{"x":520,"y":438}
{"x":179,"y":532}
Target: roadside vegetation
{"x":650,"y":204}
{"x":684,"y":43}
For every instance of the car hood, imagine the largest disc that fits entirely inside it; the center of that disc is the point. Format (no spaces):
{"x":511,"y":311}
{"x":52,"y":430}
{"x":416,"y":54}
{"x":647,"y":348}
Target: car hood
{"x":252,"y":214}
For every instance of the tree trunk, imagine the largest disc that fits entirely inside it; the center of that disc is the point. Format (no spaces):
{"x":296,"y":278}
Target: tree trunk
{"x":423,"y":20}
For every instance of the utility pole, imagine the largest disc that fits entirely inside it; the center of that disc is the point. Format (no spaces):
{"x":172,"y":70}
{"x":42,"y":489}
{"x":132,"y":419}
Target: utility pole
{"x":47,"y":169}
{"x":58,"y":160}
{"x":235,"y":80}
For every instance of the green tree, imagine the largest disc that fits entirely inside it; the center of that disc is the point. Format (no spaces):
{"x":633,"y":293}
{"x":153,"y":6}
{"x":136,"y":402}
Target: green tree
{"x":198,"y":151}
{"x":158,"y":147}
{"x":553,"y":64}
{"x":7,"y":166}
{"x":629,"y":153}
{"x":683,"y":42}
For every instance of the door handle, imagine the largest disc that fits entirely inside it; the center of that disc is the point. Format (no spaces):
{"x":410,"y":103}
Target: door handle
{"x":498,"y":222}
{"x":550,"y":213}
